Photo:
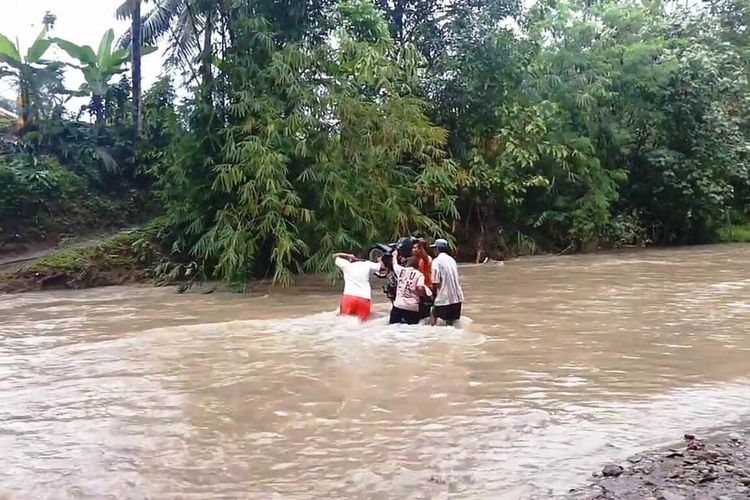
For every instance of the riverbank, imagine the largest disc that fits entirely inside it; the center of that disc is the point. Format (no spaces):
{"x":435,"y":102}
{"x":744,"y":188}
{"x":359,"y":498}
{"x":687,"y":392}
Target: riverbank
{"x":717,"y":467}
{"x":739,"y":233}
{"x":136,"y":256}
{"x":124,"y":258}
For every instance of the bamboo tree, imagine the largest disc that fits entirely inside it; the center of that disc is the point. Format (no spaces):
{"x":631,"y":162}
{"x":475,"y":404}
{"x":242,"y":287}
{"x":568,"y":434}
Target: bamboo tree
{"x":325,"y":147}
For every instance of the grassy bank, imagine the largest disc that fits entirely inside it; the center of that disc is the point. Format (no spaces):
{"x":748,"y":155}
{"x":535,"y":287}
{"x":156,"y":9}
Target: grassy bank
{"x":137,"y":256}
{"x":127,"y":257}
{"x":736,"y":233}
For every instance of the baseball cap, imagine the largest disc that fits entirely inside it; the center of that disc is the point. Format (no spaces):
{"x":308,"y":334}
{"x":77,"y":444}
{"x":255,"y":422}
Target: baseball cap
{"x":440,"y":243}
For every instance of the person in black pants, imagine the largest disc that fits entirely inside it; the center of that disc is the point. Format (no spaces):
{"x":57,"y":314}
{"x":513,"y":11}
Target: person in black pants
{"x":448,"y":293}
{"x":408,"y":292}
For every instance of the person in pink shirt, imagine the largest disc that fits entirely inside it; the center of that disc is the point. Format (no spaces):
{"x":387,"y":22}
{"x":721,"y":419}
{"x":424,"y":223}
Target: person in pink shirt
{"x":411,"y":288}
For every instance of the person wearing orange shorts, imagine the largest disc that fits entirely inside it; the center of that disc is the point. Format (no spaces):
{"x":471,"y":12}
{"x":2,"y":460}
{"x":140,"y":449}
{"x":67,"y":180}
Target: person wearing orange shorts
{"x":357,"y":297}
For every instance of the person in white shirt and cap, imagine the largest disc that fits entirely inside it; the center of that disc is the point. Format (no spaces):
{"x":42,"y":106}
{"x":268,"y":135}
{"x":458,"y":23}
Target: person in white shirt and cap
{"x":448,"y":293}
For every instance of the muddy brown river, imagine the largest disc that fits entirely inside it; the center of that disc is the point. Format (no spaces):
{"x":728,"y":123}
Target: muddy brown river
{"x":562,"y":365}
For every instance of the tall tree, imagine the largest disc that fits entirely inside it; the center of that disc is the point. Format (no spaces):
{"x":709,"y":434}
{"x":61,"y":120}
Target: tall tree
{"x":436,"y":27}
{"x":132,"y":9}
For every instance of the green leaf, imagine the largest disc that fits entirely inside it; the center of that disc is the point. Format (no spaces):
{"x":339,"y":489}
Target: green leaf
{"x":11,"y":62}
{"x":84,"y":53}
{"x":84,"y":91}
{"x":9,"y":49}
{"x":148,"y":49}
{"x":95,"y":80}
{"x":120,"y":55}
{"x":104,"y":55}
{"x":116,"y":60}
{"x":38,"y":48}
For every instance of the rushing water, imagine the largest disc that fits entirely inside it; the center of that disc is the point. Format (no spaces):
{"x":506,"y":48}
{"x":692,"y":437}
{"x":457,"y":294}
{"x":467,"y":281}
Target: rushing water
{"x":565,"y":364}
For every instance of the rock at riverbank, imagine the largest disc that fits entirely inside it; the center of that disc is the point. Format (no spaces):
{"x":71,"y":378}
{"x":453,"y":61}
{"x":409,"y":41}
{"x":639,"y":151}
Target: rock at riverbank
{"x":716,"y":468}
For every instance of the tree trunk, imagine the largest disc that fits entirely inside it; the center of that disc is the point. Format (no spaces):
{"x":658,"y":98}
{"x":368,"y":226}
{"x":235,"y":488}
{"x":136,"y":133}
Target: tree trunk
{"x":23,"y":103}
{"x":207,"y":52}
{"x":136,"y":43}
{"x":398,"y":19}
{"x":97,"y":104}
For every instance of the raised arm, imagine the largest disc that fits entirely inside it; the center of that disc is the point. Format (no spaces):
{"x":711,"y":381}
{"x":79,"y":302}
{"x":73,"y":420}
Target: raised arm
{"x":342,"y":260}
{"x":396,"y":266}
{"x":345,"y":256}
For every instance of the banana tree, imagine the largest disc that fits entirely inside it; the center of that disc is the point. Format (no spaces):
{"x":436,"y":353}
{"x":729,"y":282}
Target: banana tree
{"x":98,"y":68}
{"x":30,"y":72}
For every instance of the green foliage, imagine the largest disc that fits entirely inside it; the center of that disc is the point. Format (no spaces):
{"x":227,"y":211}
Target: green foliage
{"x":179,"y":21}
{"x":10,"y":53}
{"x":71,"y":260}
{"x":309,"y":164}
{"x":33,"y":188}
{"x":98,"y":68}
{"x":682,"y":173}
{"x":127,"y":251}
{"x":323,"y":125}
{"x":598,"y":125}
{"x":735,"y":233}
{"x":627,"y":230}
{"x":161,"y":121}
{"x":42,"y":199}
{"x":31,"y":73}
{"x":59,"y":174}
{"x":604,"y":113}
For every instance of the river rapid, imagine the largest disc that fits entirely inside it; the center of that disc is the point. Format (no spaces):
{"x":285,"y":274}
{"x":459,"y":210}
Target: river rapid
{"x":562,"y":365}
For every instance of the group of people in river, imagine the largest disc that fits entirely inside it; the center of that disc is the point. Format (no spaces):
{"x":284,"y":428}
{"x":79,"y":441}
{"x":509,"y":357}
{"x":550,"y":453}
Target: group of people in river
{"x":424,"y":286}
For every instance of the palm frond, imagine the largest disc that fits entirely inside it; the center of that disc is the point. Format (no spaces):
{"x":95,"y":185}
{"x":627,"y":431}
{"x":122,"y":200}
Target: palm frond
{"x":125,"y":10}
{"x":185,"y":39}
{"x":156,"y":23}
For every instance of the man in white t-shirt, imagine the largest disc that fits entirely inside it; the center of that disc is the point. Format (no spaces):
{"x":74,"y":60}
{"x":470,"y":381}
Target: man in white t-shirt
{"x":408,"y":292}
{"x":448,"y":293}
{"x":357,"y":297}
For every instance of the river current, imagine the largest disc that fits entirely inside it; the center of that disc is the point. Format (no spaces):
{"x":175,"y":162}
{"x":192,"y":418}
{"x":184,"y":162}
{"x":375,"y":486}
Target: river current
{"x":561,"y":365}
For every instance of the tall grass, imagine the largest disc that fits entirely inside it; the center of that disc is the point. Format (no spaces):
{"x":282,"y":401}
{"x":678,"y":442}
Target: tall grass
{"x":737,"y":233}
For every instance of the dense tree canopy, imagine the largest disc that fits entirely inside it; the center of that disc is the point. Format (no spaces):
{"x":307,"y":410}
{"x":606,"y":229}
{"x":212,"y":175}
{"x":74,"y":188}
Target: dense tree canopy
{"x":316,"y":125}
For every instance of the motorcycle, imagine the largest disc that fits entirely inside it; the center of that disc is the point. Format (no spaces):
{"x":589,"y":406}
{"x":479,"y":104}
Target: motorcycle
{"x":384,"y":252}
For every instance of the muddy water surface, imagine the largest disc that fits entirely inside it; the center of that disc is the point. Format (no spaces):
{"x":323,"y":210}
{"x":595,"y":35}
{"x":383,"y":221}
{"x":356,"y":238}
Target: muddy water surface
{"x":565,"y":364}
